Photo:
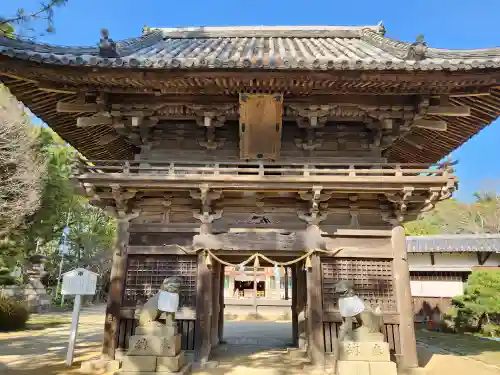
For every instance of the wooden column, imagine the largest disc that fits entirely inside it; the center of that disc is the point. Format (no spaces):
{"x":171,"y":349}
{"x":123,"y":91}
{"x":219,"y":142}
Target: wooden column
{"x":205,"y":306}
{"x":286,"y":283}
{"x":301,"y":305}
{"x":295,"y":316}
{"x":255,"y":290}
{"x":403,"y":299}
{"x":216,"y":291}
{"x":203,"y":322}
{"x":221,"y":305}
{"x":117,"y":284}
{"x":316,"y":349}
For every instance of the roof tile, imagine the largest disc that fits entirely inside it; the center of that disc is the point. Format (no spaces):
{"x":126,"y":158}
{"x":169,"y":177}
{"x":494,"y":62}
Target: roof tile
{"x":321,"y":48}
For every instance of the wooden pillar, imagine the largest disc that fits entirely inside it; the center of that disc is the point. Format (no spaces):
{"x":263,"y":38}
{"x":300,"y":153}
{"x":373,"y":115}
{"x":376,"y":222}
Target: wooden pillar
{"x":117,"y":284}
{"x":286,"y":283}
{"x":221,"y":305}
{"x":404,"y":300}
{"x":216,"y":291}
{"x":203,"y":322}
{"x":301,"y":305}
{"x":295,"y":316}
{"x":255,"y":290}
{"x":316,"y":349}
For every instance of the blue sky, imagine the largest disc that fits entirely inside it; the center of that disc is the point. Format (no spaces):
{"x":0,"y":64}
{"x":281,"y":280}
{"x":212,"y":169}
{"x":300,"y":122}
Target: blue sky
{"x":444,"y":23}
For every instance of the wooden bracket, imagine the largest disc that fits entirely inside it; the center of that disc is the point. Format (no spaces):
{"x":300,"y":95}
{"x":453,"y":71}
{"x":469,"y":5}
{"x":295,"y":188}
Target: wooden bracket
{"x":206,"y":218}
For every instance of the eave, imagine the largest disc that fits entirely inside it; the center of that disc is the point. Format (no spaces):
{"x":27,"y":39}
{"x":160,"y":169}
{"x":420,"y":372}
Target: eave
{"x":41,"y":75}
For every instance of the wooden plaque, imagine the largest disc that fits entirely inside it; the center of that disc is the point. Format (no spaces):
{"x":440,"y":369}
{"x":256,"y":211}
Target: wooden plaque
{"x":260,"y":126}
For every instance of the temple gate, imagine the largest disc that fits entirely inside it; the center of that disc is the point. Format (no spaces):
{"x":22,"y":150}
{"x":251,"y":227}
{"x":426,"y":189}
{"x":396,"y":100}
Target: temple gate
{"x":188,"y":133}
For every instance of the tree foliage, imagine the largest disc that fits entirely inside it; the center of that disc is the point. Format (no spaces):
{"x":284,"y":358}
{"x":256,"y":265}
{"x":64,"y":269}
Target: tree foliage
{"x":21,"y":168}
{"x":40,"y":228}
{"x":454,"y":217}
{"x":29,"y":18}
{"x":479,"y":306}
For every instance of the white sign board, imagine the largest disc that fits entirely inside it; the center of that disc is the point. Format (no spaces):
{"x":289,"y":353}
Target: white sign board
{"x":79,"y":282}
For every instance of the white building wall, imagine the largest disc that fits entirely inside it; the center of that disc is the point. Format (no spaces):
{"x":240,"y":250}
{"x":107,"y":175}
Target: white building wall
{"x":434,"y":288}
{"x":449,"y":262}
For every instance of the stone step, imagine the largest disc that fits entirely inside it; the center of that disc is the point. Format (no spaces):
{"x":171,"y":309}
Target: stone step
{"x":296,"y":353}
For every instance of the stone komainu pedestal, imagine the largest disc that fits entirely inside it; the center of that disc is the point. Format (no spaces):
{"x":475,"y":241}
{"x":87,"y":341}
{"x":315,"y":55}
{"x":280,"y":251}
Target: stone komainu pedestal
{"x":155,"y":351}
{"x":365,"y":358}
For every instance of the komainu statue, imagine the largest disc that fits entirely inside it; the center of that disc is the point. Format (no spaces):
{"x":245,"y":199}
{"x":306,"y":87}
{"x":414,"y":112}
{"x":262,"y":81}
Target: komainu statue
{"x":361,"y":350}
{"x":353,"y":309}
{"x":165,"y":301}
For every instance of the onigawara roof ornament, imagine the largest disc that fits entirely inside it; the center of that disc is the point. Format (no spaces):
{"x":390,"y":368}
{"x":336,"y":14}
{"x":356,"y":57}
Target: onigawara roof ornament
{"x":107,"y":47}
{"x":417,"y":49}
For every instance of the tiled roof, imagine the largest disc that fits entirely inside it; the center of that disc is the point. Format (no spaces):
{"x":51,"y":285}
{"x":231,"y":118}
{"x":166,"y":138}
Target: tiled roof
{"x":307,"y":47}
{"x":454,"y":243}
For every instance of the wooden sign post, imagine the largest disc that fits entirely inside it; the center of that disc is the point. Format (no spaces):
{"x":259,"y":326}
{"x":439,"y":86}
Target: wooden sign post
{"x":78,"y":282}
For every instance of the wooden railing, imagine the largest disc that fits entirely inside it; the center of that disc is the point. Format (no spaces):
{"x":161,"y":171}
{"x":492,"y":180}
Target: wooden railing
{"x":262,"y":169}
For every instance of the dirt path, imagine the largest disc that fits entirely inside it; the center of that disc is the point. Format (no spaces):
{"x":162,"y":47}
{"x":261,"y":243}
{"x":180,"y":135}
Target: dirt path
{"x":251,"y":348}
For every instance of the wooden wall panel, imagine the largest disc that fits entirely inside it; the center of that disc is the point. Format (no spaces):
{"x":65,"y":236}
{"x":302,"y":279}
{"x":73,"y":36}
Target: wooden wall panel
{"x":373,"y":281}
{"x":260,"y":126}
{"x":146,"y":273}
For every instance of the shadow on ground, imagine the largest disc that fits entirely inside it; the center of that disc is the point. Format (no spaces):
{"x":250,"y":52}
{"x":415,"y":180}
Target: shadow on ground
{"x":487,"y":351}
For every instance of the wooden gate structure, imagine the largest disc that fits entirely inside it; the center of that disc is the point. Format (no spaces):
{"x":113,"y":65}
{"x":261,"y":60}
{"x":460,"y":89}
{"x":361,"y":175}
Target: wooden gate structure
{"x":329,"y":132}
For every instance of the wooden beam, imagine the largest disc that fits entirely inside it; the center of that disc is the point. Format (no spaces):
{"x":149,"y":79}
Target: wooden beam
{"x":65,"y":107}
{"x":330,"y":230}
{"x":107,"y":139}
{"x":96,"y":120}
{"x":413,"y":143}
{"x":334,"y":316}
{"x":448,"y":110}
{"x":318,"y":99}
{"x":437,"y":125}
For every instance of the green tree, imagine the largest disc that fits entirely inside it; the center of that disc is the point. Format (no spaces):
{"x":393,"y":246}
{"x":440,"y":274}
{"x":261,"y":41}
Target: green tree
{"x":91,"y":230}
{"x":21,"y":171}
{"x":437,"y":221}
{"x":31,"y":18}
{"x":479,"y":306}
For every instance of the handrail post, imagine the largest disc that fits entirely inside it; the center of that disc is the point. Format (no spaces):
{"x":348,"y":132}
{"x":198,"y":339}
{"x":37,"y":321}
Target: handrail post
{"x":306,"y":170}
{"x":126,"y":167}
{"x":399,"y":172}
{"x":352,"y":171}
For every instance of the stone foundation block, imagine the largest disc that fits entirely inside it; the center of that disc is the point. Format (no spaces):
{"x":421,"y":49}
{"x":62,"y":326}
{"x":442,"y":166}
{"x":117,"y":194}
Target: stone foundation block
{"x":159,"y":330}
{"x":138,"y":363}
{"x":154,"y":345}
{"x":172,"y":364}
{"x":364,"y":351}
{"x":186,"y":370}
{"x":353,"y":368}
{"x":385,"y":368}
{"x":99,"y":366}
{"x":171,"y":347}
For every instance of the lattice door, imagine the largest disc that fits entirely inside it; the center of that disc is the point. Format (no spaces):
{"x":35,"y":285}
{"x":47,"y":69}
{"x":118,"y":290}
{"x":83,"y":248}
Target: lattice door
{"x":146,"y":273}
{"x":373,"y":281}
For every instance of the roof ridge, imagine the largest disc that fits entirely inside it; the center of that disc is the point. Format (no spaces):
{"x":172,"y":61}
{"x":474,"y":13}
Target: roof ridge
{"x":310,"y":31}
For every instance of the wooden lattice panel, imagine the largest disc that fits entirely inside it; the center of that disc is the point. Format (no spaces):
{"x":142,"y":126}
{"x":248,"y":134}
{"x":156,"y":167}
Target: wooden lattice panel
{"x":373,"y":281}
{"x":146,"y":273}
